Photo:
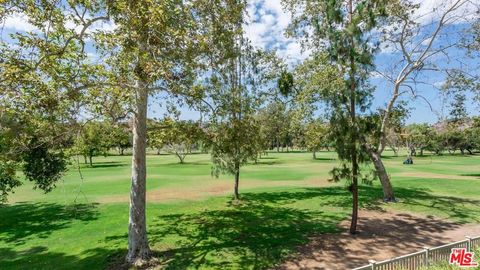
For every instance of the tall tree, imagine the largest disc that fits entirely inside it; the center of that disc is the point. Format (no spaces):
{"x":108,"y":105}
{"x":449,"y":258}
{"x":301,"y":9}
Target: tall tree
{"x":342,"y":29}
{"x":152,"y":47}
{"x":237,"y":78}
{"x":458,"y":109}
{"x":420,"y":46}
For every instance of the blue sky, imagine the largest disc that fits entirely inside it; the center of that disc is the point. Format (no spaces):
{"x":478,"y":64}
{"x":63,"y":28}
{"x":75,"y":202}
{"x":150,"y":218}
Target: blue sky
{"x":265,"y":28}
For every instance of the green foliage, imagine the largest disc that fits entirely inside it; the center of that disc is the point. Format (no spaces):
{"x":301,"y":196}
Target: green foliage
{"x":458,"y":109}
{"x":421,"y":136}
{"x":176,"y":137}
{"x":93,"y":140}
{"x":285,"y":83}
{"x":119,"y":136}
{"x":8,"y":179}
{"x":43,"y":166}
{"x":316,"y":135}
{"x":234,"y":144}
{"x":275,"y":124}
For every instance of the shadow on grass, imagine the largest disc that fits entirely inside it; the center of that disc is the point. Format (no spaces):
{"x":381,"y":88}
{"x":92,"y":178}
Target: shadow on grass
{"x":471,"y":174}
{"x":265,"y":228}
{"x":463,"y":210}
{"x":106,"y":164}
{"x":22,"y":220}
{"x":186,"y":163}
{"x":324,"y":159}
{"x":239,"y":237}
{"x":257,"y":233}
{"x":39,"y":257}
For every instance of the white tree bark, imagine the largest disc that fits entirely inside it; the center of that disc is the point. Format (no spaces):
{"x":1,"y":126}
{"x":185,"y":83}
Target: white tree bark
{"x":138,"y":248}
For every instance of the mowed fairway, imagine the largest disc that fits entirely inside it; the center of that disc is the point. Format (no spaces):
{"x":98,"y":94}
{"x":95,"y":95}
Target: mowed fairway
{"x":192,"y":223}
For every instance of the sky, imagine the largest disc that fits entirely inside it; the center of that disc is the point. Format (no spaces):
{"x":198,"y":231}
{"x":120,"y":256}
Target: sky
{"x":266,"y":23}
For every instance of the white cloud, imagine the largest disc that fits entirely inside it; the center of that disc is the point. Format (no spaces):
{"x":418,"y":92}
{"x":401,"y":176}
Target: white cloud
{"x":430,"y":11}
{"x":266,"y":28}
{"x":18,"y":22}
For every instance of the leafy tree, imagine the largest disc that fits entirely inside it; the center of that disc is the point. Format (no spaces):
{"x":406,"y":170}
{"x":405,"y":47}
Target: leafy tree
{"x":93,"y":140}
{"x":342,"y":28}
{"x":120,"y":137}
{"x":419,"y":137}
{"x":238,"y":78}
{"x":316,"y":136}
{"x":153,"y":47}
{"x":177,"y":137}
{"x":458,"y":109}
{"x":275,"y":122}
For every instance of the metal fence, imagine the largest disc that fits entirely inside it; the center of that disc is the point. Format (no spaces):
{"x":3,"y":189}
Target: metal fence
{"x":422,"y":258}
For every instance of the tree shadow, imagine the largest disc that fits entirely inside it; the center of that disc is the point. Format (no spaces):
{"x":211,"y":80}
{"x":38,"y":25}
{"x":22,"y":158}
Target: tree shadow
{"x":257,"y":233}
{"x":324,"y":159}
{"x":264,"y":228}
{"x":381,"y":237}
{"x":463,"y":210}
{"x":40,"y":257}
{"x":266,"y":162}
{"x":40,"y":219}
{"x":267,"y":157}
{"x":104,"y":164}
{"x":471,"y":174}
{"x":186,"y":162}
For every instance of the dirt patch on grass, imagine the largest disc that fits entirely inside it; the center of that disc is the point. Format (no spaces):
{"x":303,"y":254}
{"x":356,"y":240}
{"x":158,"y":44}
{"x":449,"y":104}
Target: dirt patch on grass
{"x":382,"y":235}
{"x":436,"y":176}
{"x":214,"y":188}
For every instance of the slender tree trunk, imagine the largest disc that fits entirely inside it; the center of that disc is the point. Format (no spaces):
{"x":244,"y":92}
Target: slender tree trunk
{"x":314,"y":154}
{"x":90,"y":160}
{"x":388,"y":195}
{"x":180,"y":157}
{"x":354,"y":138}
{"x":138,"y":248}
{"x":122,"y":151}
{"x":85,"y":159}
{"x":237,"y":180}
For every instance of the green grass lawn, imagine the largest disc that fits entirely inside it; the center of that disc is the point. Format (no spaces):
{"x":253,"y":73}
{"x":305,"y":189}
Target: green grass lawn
{"x":192,"y":223}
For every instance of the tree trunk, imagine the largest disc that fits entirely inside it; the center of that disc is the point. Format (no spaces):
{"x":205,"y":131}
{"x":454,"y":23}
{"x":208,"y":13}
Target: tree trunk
{"x":90,"y":160}
{"x":138,"y":248}
{"x":180,"y":157}
{"x":421,"y":152}
{"x":85,"y":159}
{"x":122,"y":151}
{"x":354,"y":135}
{"x":388,"y":195}
{"x":314,"y":154}
{"x":237,"y":180}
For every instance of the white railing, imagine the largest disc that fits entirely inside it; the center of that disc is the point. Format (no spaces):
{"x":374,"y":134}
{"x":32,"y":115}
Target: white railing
{"x":422,"y":258}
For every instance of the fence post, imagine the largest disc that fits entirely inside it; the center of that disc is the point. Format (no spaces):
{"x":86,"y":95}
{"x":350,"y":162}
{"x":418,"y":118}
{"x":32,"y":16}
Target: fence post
{"x":469,"y":243}
{"x":373,"y":263}
{"x":427,"y":255}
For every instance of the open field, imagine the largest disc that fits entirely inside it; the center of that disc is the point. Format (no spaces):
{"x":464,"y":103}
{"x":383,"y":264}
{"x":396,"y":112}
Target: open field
{"x":286,"y":200}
